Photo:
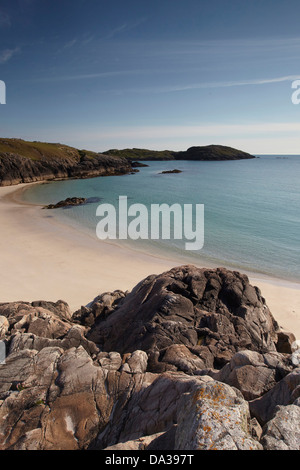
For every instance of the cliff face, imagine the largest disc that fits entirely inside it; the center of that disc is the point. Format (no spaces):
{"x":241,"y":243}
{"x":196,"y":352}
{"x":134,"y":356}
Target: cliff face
{"x":25,"y":162}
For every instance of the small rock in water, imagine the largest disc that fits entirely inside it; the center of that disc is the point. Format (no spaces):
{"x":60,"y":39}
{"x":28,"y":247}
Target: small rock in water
{"x":70,"y":201}
{"x":171,"y":171}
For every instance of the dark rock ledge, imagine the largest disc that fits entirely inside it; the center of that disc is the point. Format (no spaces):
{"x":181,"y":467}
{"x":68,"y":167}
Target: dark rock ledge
{"x":191,"y":359}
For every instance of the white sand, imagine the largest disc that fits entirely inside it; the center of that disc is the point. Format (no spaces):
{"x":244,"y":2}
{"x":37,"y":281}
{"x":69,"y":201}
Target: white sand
{"x":41,"y":258}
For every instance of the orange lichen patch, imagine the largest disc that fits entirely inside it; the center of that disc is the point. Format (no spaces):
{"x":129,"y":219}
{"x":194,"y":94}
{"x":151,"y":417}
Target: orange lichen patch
{"x":206,"y":428}
{"x":216,"y":394}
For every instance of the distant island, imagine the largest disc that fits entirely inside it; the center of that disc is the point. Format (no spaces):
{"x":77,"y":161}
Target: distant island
{"x":24,"y":162}
{"x":200,"y":153}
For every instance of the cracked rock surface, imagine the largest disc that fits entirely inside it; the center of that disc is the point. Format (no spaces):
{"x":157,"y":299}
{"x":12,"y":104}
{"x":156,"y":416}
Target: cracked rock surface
{"x":191,"y":359}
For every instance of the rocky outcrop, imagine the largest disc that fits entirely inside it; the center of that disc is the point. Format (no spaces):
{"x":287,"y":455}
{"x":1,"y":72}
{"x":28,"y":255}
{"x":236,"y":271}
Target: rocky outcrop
{"x":38,"y":325}
{"x":211,"y":314}
{"x":212,"y":152}
{"x":285,"y":392}
{"x":54,"y":399}
{"x":99,"y":308}
{"x":17,"y":168}
{"x":70,"y":201}
{"x":252,"y":373}
{"x":200,"y":153}
{"x":189,"y":360}
{"x":170,"y":171}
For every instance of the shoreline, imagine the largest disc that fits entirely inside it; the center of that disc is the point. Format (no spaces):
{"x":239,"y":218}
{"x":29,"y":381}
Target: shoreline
{"x":44,"y":259}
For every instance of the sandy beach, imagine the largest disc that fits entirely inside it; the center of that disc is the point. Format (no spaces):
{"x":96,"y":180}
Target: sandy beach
{"x":43,"y":259}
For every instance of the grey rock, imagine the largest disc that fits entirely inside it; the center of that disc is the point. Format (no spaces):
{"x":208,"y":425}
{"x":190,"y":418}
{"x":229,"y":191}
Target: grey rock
{"x":285,"y":392}
{"x":142,"y":443}
{"x":295,"y":358}
{"x":283,"y":431}
{"x":39,"y":318}
{"x":253,"y":373}
{"x":4,"y":326}
{"x":214,"y":417}
{"x":74,"y":337}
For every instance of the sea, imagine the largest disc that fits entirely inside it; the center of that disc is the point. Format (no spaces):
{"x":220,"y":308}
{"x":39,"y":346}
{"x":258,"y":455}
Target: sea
{"x":251,"y":210}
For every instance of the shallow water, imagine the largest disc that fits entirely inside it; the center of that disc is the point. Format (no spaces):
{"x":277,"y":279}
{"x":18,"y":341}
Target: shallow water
{"x":251,"y":209}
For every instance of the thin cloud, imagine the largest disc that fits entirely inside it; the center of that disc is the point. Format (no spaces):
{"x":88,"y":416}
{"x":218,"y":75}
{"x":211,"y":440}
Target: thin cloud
{"x":116,"y":31}
{"x":124,"y":28}
{"x":218,"y":46}
{"x":70,"y":44}
{"x":204,"y":85}
{"x":7,"y":54}
{"x":88,"y":76}
{"x":258,"y":81}
{"x":78,"y":42}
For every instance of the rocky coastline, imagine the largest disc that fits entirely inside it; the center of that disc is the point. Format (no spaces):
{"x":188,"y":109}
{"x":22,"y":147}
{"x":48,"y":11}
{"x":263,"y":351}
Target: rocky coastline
{"x":27,"y":162}
{"x":16,"y":169}
{"x":191,"y":359}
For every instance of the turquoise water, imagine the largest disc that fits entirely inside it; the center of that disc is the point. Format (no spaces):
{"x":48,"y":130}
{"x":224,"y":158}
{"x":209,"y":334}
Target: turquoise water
{"x":251,"y":209}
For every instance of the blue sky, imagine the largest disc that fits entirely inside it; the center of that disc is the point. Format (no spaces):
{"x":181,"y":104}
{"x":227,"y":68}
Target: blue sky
{"x":100,"y":74}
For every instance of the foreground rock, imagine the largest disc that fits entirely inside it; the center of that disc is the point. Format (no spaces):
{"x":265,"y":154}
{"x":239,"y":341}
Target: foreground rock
{"x":252,"y":373}
{"x":38,"y":325}
{"x":189,"y":360}
{"x":62,"y":400}
{"x":189,"y":318}
{"x":228,"y":430}
{"x":282,"y":432}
